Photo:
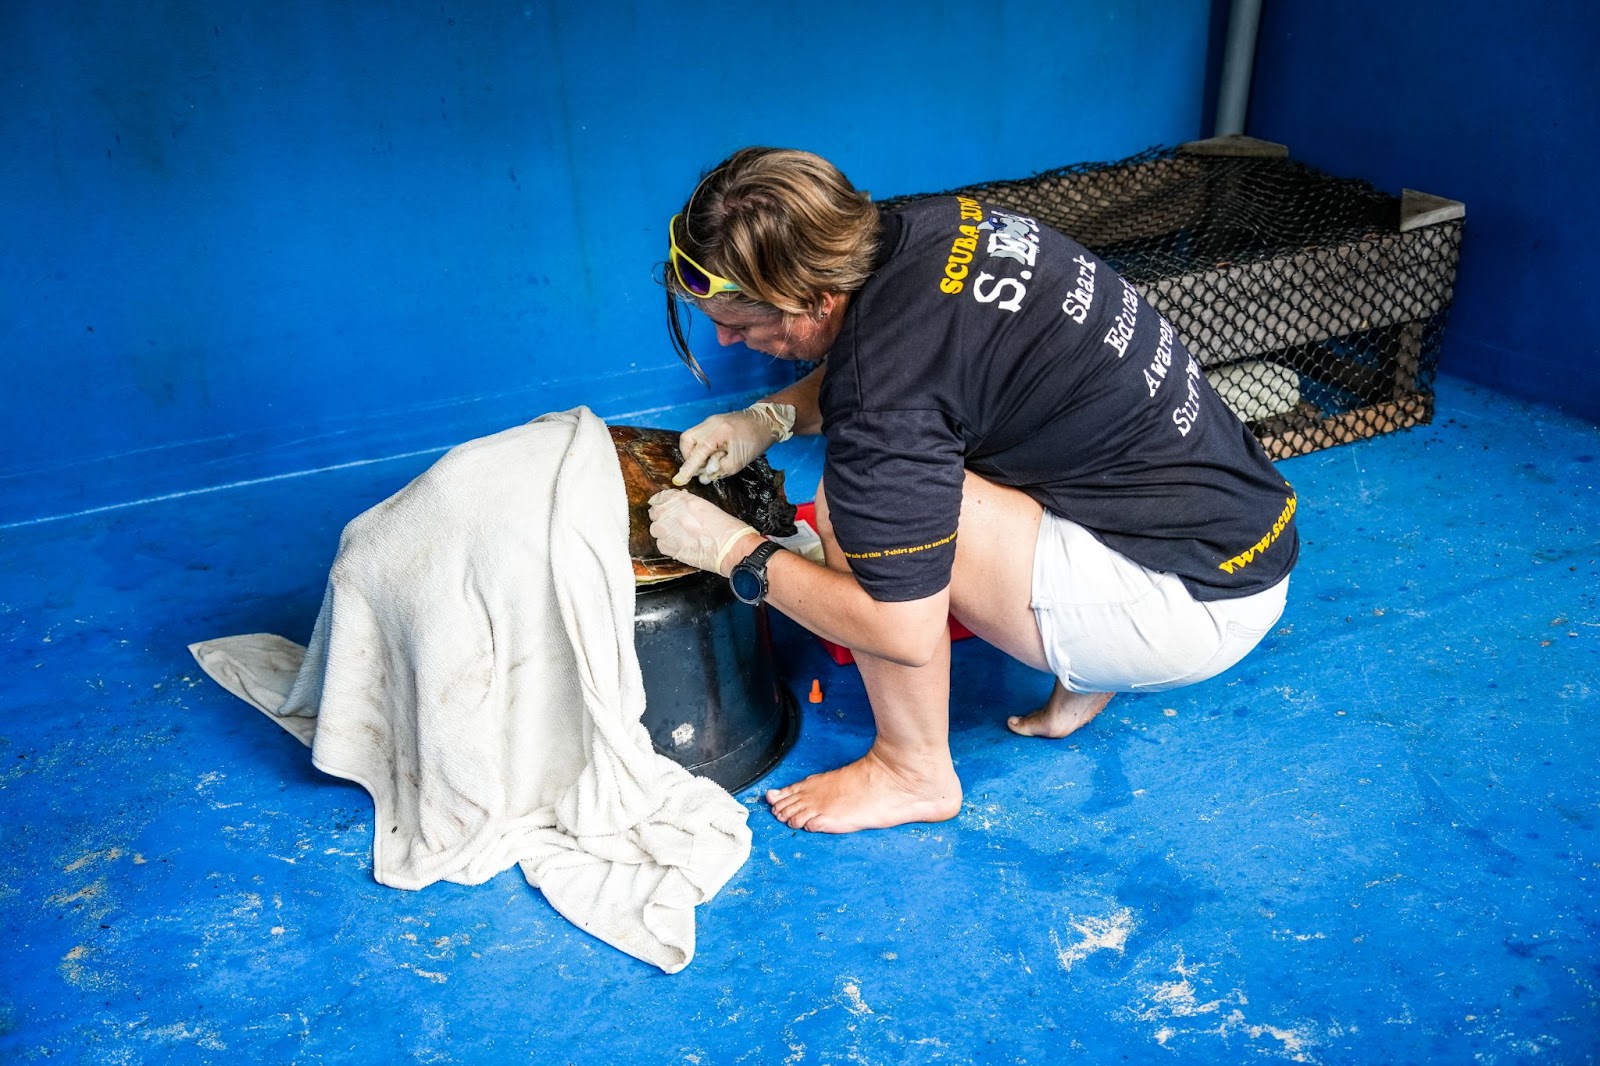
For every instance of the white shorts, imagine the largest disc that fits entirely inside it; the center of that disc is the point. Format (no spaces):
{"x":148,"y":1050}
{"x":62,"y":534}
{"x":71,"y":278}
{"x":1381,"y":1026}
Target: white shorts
{"x":1111,"y":625}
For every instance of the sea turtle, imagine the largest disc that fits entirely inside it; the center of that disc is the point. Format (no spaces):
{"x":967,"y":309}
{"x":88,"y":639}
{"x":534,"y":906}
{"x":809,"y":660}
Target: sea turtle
{"x":649,"y":458}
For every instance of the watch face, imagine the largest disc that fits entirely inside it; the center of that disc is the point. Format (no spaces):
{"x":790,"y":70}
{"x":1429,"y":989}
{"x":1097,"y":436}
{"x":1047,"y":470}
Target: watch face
{"x":746,"y":584}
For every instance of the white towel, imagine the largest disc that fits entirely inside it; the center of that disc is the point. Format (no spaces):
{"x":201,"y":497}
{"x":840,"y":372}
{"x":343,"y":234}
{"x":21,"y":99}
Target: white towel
{"x":473,"y":668}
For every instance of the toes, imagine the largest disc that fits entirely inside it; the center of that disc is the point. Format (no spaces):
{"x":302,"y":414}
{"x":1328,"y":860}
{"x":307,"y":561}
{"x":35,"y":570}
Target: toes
{"x":794,"y":815}
{"x":823,"y":824}
{"x":787,"y":806}
{"x":1023,"y":725}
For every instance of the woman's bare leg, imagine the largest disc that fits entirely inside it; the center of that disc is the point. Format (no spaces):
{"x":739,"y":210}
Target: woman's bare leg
{"x":907,"y":775}
{"x":993,"y":596}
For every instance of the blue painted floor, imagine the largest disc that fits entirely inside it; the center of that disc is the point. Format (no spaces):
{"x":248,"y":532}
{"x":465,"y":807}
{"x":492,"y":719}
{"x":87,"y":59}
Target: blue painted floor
{"x":1374,"y":841}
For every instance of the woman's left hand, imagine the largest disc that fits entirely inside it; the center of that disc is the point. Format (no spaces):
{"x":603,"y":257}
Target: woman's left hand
{"x":696,"y":531}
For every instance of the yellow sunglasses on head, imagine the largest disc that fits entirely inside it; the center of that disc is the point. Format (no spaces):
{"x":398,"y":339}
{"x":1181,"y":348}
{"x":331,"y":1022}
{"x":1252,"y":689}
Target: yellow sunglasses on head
{"x":696,"y":280}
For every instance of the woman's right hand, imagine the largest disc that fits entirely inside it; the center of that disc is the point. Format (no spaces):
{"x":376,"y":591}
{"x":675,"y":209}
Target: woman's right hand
{"x":725,"y":444}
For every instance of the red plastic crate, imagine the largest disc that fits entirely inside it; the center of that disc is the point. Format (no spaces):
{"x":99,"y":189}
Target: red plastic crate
{"x":841,"y":654}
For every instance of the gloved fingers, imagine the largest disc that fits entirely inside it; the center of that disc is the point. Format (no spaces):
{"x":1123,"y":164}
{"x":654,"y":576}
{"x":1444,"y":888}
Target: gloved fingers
{"x":692,"y":530}
{"x":666,"y":519}
{"x":697,"y":456}
{"x":713,"y":468}
{"x":666,"y":506}
{"x":725,"y":444}
{"x":698,"y":444}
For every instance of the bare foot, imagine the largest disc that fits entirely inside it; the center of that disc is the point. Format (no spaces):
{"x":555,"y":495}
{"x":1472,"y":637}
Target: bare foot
{"x":1063,"y":713}
{"x":867,"y":794}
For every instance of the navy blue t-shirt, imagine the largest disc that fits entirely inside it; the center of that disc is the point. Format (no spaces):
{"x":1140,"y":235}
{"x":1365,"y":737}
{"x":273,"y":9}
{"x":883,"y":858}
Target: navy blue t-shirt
{"x":987,"y":341}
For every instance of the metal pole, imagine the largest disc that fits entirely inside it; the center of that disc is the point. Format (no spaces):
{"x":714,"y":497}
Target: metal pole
{"x":1238,"y":59}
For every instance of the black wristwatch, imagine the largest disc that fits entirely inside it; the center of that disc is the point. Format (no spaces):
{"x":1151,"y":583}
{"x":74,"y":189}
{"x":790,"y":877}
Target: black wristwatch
{"x":749,"y":578}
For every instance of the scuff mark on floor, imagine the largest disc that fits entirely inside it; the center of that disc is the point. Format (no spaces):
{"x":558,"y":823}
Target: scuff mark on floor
{"x":83,"y":895}
{"x":75,"y":971}
{"x":852,"y":995}
{"x":1109,"y":933}
{"x":201,"y":1036}
{"x":110,"y":856}
{"x":1176,"y":1001}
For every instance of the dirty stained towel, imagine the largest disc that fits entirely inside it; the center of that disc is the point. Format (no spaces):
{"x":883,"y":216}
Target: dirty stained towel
{"x":473,"y":668}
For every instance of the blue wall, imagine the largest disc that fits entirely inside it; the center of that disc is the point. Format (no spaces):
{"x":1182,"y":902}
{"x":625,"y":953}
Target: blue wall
{"x":1496,"y":105}
{"x":244,"y":239}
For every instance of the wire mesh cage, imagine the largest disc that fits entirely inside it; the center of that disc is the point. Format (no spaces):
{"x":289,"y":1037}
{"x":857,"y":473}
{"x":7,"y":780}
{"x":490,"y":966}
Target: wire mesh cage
{"x":1314,"y":303}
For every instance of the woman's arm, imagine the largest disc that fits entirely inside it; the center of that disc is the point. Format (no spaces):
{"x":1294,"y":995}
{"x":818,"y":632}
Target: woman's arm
{"x":833,"y":605}
{"x":803,"y":397}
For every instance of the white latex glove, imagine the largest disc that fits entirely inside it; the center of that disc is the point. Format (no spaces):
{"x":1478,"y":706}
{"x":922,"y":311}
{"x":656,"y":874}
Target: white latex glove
{"x":694,"y":531}
{"x":725,"y":444}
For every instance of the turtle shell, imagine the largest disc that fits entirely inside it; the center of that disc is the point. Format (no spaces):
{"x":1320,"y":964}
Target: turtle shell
{"x":649,"y":458}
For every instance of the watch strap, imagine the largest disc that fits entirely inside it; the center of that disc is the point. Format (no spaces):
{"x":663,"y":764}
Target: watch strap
{"x":753,"y":567}
{"x":759,"y":556}
{"x":761,"y":553}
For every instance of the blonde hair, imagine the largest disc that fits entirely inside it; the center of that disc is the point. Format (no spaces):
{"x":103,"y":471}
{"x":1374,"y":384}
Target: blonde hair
{"x":784,"y":225}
